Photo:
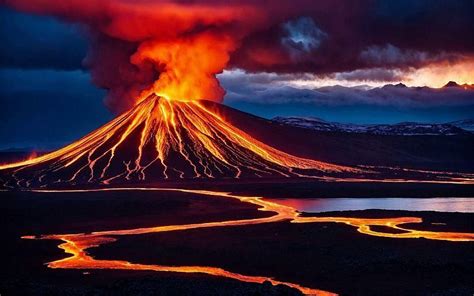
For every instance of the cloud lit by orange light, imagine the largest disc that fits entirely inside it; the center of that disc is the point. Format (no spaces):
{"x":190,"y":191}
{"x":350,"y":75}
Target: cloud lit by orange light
{"x":437,"y":75}
{"x":433,"y":75}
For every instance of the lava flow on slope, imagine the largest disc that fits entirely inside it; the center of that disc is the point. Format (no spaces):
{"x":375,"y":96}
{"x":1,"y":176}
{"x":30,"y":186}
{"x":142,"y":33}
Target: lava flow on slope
{"x":163,"y":139}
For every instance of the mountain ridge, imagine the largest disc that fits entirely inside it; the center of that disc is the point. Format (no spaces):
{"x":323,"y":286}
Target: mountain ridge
{"x":401,"y":129}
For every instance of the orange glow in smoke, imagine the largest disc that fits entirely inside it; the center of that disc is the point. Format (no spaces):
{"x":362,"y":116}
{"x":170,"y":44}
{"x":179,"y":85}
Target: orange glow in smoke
{"x":77,"y":244}
{"x":187,"y":42}
{"x":187,"y":67}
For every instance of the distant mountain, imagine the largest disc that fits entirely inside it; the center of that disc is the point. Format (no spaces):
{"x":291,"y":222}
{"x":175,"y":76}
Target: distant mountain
{"x":398,"y":85}
{"x":401,"y":129}
{"x":453,"y":84}
{"x":467,"y":124}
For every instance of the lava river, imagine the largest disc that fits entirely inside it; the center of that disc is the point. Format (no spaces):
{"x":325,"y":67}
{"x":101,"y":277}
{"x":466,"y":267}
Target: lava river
{"x":77,"y":244}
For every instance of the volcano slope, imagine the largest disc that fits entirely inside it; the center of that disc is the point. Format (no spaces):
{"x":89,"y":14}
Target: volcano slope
{"x":162,"y":139}
{"x":433,"y":152}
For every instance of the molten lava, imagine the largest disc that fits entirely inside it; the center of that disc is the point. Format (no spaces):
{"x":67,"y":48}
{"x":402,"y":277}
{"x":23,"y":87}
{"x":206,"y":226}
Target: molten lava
{"x":163,"y":139}
{"x":77,"y":244}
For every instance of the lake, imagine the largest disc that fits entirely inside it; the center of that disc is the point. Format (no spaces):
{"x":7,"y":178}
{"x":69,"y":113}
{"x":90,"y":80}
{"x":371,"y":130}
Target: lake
{"x":439,"y":204}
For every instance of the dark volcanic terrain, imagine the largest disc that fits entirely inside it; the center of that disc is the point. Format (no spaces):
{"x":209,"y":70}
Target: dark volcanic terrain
{"x":316,"y":255}
{"x":23,"y":261}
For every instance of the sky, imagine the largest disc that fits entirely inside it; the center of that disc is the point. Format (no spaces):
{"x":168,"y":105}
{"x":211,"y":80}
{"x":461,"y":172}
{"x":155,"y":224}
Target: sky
{"x":65,"y":70}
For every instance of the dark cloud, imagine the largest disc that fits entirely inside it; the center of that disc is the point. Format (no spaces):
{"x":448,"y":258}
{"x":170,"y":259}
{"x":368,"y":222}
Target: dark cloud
{"x":285,"y":36}
{"x":35,"y":42}
{"x":389,"y":56}
{"x":423,"y":25}
{"x":270,"y":88}
{"x":302,"y":36}
{"x":116,"y":73}
{"x":374,"y":74}
{"x":331,"y":36}
{"x":390,"y":34}
{"x":270,"y":95}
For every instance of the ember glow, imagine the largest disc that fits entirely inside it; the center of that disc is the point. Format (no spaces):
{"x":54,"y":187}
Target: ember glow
{"x":77,"y":244}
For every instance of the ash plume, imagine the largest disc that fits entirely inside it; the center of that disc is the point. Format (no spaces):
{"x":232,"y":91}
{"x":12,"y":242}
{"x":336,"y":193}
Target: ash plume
{"x":176,"y":48}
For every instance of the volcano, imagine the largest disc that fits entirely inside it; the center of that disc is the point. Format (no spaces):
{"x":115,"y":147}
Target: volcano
{"x":162,"y":139}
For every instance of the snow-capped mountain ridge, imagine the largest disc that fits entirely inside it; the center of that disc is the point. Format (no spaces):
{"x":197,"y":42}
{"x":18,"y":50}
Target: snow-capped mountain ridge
{"x":466,"y":124}
{"x":402,"y":128}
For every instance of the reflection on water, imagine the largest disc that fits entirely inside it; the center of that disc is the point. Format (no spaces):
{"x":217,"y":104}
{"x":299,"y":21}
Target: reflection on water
{"x":439,"y":204}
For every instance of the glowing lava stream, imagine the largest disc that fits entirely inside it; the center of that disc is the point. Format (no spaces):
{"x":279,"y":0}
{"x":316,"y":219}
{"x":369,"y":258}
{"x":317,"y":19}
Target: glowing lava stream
{"x":77,"y":244}
{"x":163,"y":139}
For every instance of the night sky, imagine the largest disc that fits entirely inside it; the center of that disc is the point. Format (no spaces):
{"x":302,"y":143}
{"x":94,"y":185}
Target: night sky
{"x":65,"y":72}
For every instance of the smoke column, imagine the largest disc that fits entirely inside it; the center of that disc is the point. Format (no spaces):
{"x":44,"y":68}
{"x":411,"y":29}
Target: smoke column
{"x":176,"y":48}
{"x":171,"y":48}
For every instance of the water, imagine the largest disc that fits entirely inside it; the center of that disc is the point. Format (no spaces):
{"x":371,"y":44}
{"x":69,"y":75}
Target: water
{"x":439,"y":204}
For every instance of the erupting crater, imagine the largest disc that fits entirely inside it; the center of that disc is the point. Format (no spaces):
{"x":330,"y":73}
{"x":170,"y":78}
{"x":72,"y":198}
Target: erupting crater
{"x":162,"y":139}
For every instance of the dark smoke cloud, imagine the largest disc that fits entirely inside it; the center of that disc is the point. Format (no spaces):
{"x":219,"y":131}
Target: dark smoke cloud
{"x":360,"y":40}
{"x":391,"y":34}
{"x":389,"y":55}
{"x":111,"y":69}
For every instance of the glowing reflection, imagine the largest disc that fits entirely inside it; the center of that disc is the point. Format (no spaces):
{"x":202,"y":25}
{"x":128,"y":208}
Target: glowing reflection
{"x":438,"y":204}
